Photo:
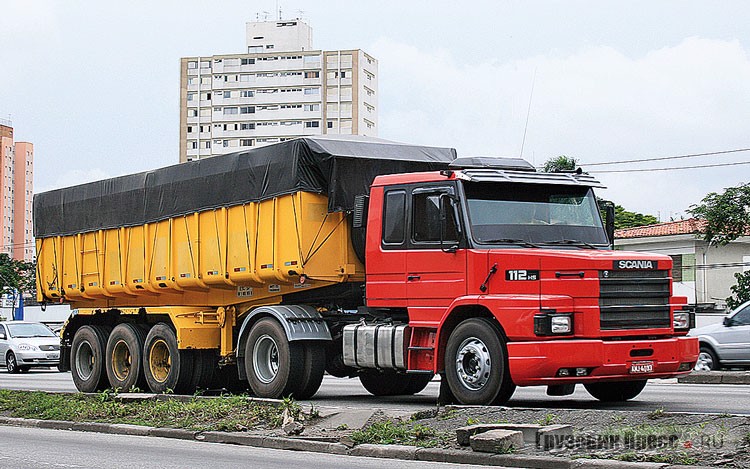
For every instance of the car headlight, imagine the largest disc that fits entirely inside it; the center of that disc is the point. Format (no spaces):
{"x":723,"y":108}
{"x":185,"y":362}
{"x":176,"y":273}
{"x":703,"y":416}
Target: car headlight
{"x":553,"y":323}
{"x":683,"y":320}
{"x":28,"y":348}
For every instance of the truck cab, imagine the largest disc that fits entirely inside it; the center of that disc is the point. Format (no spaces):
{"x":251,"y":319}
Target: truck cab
{"x":508,"y":278}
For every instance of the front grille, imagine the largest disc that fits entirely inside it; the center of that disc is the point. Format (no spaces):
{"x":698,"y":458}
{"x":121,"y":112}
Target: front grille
{"x":633,"y":299}
{"x":49,"y":348}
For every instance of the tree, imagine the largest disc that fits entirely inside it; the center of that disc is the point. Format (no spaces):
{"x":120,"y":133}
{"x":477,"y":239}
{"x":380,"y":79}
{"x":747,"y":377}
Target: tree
{"x":560,"y":163}
{"x":17,"y":274}
{"x":727,"y":215}
{"x":740,"y":290}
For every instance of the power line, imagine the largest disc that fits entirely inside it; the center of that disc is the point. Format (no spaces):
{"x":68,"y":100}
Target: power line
{"x":676,"y":157}
{"x":674,"y":168}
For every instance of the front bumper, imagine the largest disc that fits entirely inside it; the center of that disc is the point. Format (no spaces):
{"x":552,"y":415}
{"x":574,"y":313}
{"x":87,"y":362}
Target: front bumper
{"x":537,"y":363}
{"x":51,"y":358}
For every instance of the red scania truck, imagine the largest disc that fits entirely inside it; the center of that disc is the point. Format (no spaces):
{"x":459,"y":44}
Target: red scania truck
{"x":387,"y":262}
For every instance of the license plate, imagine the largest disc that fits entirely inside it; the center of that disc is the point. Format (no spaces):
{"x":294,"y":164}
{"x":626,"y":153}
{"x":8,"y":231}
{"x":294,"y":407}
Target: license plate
{"x":641,"y":367}
{"x":53,"y":356}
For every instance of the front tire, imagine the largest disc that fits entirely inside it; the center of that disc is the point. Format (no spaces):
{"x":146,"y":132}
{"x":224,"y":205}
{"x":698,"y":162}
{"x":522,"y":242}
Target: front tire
{"x":167,"y":368}
{"x":125,"y":357}
{"x":476,"y":364}
{"x":620,"y":391}
{"x":87,"y":362}
{"x":274,"y":366}
{"x":707,"y":360}
{"x":11,"y":363}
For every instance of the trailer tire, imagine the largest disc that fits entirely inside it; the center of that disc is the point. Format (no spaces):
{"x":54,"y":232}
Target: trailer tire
{"x":87,"y":358}
{"x":619,"y":391}
{"x":314,"y":369}
{"x":476,"y":364}
{"x":124,"y":357}
{"x":383,"y":383}
{"x":274,"y":366}
{"x":205,"y":369}
{"x":167,"y":368}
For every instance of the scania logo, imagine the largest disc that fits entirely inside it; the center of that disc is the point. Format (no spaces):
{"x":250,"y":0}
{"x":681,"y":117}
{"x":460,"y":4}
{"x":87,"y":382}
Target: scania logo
{"x":635,"y":264}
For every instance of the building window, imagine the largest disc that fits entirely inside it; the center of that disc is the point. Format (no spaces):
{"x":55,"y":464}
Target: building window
{"x":205,"y":64}
{"x":246,"y":94}
{"x":312,"y":74}
{"x":312,"y":107}
{"x":206,"y":81}
{"x":269,"y":46}
{"x":194,"y":145}
{"x":230,"y":111}
{"x":330,"y":124}
{"x":246,"y":142}
{"x":227,"y":94}
{"x":191,"y":96}
{"x":192,"y":113}
{"x":247,"y":126}
{"x":192,"y":64}
{"x":312,"y":124}
{"x":192,"y":80}
{"x":245,"y":78}
{"x":247,"y":110}
{"x":247,"y":61}
{"x":311,"y":91}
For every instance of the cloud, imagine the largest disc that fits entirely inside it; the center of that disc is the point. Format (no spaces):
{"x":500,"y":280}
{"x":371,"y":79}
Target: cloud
{"x":596,"y":104}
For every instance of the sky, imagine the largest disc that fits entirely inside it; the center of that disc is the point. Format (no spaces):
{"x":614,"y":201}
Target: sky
{"x":95,"y":85}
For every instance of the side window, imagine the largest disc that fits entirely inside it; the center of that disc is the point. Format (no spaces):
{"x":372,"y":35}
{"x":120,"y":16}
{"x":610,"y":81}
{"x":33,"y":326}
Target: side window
{"x":394,"y":222}
{"x":742,"y":318}
{"x":426,"y":224}
{"x":3,"y":334}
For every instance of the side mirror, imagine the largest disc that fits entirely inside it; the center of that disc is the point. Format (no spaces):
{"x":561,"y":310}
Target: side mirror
{"x":609,"y":223}
{"x":2,"y":336}
{"x":728,"y":322}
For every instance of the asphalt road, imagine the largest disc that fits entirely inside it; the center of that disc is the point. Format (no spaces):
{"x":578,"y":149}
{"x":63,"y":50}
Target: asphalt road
{"x":659,"y":394}
{"x":34,"y":448}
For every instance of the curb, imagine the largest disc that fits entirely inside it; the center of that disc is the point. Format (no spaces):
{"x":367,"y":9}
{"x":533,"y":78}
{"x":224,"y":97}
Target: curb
{"x":716,"y":377}
{"x":402,"y":452}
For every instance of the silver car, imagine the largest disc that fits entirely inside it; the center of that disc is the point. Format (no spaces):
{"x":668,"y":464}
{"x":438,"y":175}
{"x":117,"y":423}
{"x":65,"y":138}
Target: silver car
{"x":27,"y":344}
{"x":726,"y":344}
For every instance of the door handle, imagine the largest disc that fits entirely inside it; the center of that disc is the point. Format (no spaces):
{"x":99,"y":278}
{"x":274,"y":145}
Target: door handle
{"x":411,"y":278}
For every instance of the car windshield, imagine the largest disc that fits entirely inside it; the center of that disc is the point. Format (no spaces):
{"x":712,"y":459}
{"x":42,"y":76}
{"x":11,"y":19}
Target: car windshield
{"x":538,"y":214}
{"x":26,"y":330}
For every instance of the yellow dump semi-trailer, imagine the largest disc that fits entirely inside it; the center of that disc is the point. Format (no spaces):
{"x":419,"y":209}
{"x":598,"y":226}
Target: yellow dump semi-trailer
{"x":171,"y":270}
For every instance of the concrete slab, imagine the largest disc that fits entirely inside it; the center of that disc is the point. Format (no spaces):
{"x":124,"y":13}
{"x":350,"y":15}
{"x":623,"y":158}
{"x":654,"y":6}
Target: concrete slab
{"x":497,"y":441}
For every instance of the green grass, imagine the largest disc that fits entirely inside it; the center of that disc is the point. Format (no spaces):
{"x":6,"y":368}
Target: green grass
{"x":399,"y":433}
{"x":235,"y":413}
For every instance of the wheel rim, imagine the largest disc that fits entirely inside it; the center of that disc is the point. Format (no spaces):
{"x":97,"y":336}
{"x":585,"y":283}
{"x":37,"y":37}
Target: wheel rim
{"x":11,"y":363}
{"x":160,"y":360}
{"x":122,"y":360}
{"x":473,"y":364}
{"x":705,"y":362}
{"x":85,"y":360}
{"x":266,"y":359}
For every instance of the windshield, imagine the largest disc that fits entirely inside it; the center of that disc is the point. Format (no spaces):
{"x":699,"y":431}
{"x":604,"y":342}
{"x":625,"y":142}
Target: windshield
{"x":29,"y":330}
{"x":512,"y":213}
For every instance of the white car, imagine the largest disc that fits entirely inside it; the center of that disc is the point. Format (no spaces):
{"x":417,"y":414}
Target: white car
{"x":24,"y":345}
{"x":726,"y":344}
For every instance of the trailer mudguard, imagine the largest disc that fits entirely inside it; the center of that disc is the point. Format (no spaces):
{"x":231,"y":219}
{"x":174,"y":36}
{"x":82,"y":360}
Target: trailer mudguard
{"x":300,"y":322}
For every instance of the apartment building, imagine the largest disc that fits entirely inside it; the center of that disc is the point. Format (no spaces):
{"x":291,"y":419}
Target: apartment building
{"x":17,"y":176}
{"x":278,"y":89}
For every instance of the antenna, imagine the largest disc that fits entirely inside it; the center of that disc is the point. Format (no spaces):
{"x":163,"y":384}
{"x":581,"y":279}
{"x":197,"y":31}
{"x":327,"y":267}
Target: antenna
{"x":278,"y":9}
{"x":528,"y":113}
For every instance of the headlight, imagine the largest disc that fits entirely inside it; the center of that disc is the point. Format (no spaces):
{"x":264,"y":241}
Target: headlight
{"x":553,"y":323}
{"x":28,"y":347}
{"x":683,"y":320}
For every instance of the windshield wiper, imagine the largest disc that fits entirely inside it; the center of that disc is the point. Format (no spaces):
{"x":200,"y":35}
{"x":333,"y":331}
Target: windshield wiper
{"x":572,"y":242}
{"x":520,"y":242}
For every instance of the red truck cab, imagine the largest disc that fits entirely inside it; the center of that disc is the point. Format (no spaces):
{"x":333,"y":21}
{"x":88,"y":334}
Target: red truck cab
{"x":508,"y":278}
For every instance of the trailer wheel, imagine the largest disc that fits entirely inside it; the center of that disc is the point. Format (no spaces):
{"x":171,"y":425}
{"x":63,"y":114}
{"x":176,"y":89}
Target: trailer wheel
{"x":274,"y":366}
{"x":205,"y":369}
{"x":87,"y":362}
{"x":314,"y":368}
{"x":476,"y":365}
{"x":166,"y":367}
{"x":124,"y":357}
{"x":615,"y":391}
{"x":384,"y":383}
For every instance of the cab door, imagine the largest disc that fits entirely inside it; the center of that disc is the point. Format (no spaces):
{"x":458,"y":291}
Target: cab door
{"x":436,"y":258}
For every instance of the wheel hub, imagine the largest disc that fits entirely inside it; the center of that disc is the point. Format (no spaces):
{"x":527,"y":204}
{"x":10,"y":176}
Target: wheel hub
{"x":266,"y":359}
{"x":704,"y":363}
{"x":473,"y":364}
{"x":159,"y":361}
{"x":122,"y":360}
{"x":85,"y":360}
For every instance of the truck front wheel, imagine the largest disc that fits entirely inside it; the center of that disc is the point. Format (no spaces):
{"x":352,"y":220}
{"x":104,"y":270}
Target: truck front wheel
{"x":167,"y":368}
{"x":476,"y":365}
{"x":87,"y":362}
{"x":275,"y":367}
{"x":615,"y":392}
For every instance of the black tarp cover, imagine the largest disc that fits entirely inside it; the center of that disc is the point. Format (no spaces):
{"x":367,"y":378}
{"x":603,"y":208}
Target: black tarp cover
{"x":339,"y":167}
